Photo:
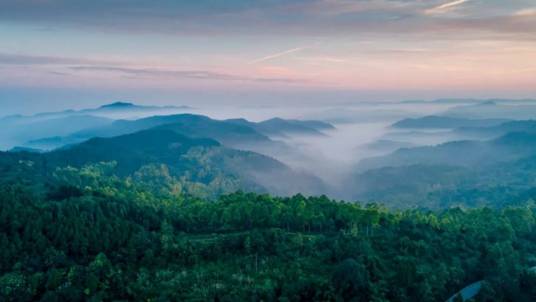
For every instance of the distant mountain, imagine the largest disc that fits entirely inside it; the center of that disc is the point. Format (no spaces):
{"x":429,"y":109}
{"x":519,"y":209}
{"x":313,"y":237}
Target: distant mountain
{"x":114,"y":110}
{"x":19,"y":130}
{"x":238,"y":133}
{"x":227,"y":133}
{"x":459,"y":101}
{"x":422,"y":137}
{"x":283,"y":127}
{"x":495,"y":110}
{"x":118,"y":106}
{"x":195,"y":160}
{"x":126,"y":109}
{"x":498,"y":130}
{"x":497,"y":172}
{"x":445,"y":122}
{"x":509,"y":147}
{"x":384,"y":145}
{"x":468,"y":101}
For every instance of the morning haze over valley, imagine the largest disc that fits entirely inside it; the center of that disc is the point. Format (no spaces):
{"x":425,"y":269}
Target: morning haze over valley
{"x":297,"y":150}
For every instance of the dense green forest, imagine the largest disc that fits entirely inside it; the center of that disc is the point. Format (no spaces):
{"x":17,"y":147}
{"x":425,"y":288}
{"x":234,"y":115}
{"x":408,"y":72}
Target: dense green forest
{"x":495,"y":173}
{"x":160,"y":215}
{"x":197,"y":166}
{"x":92,"y":236}
{"x":268,"y":150}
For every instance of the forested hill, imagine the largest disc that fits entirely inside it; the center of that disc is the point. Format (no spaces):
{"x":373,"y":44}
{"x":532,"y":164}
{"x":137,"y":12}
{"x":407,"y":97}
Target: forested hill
{"x":284,"y":127}
{"x":121,"y":219}
{"x":445,"y":122}
{"x":118,"y":240}
{"x":509,"y":147}
{"x":198,"y":166}
{"x":232,"y":133}
{"x":159,"y":214}
{"x":493,"y":173}
{"x":185,"y":124}
{"x":528,"y":126}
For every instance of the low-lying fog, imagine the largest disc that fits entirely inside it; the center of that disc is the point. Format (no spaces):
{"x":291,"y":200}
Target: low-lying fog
{"x":362,"y":131}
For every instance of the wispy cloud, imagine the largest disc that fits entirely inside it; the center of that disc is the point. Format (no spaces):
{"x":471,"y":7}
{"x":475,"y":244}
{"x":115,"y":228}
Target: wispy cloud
{"x":185,"y":74}
{"x":277,"y":55}
{"x":22,"y":59}
{"x":322,"y":60}
{"x":443,"y":8}
{"x":63,"y":66}
{"x":296,"y":18}
{"x":152,"y":72}
{"x":527,"y":12}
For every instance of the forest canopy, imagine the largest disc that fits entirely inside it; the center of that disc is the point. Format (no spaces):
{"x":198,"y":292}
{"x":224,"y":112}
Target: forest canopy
{"x":121,"y":239}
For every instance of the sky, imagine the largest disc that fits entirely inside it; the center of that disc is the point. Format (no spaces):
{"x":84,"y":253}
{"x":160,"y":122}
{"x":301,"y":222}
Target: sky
{"x":75,"y":53}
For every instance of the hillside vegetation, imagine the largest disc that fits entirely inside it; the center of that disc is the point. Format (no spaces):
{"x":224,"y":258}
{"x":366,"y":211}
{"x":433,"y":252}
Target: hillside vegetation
{"x":111,"y":238}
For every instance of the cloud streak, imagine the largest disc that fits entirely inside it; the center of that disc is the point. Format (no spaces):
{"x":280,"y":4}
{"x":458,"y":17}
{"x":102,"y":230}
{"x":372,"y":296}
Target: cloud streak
{"x":286,"y":18}
{"x":20,"y":59}
{"x":237,"y":44}
{"x":445,"y":7}
{"x":183,"y":74}
{"x":60,"y":65}
{"x":277,"y":55}
{"x":527,"y":12}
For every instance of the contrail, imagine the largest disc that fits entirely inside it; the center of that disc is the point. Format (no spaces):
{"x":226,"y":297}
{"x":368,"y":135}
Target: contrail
{"x":445,"y":6}
{"x":277,"y":55}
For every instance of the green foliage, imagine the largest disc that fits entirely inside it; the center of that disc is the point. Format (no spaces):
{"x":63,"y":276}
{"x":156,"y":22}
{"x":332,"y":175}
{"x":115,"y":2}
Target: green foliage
{"x":162,"y":160}
{"x":496,"y":173}
{"x":101,"y":222}
{"x":138,"y":238}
